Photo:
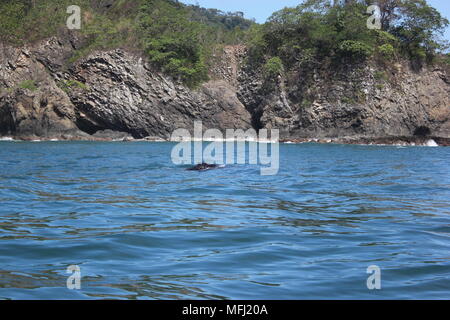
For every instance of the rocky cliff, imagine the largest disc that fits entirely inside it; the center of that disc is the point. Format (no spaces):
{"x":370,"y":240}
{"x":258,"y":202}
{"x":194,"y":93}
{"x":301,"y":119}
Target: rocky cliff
{"x":117,"y":94}
{"x":107,"y":95}
{"x":353,"y":102}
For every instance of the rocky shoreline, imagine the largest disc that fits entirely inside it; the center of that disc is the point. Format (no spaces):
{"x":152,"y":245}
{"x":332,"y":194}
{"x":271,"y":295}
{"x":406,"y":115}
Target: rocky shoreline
{"x":117,"y":96}
{"x":396,"y":141}
{"x":386,"y":141}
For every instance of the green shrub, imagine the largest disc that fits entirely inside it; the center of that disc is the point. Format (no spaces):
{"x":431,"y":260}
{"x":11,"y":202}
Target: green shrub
{"x":28,"y":84}
{"x":387,"y":51}
{"x":273,"y":67}
{"x":348,"y":100}
{"x":355,"y":49}
{"x":383,"y":37}
{"x":418,"y":53}
{"x":380,"y":75}
{"x":446,"y":59}
{"x":11,"y":15}
{"x":67,"y":85}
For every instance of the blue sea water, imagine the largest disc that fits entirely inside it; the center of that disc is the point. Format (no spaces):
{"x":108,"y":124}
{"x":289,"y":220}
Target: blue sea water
{"x":140,"y":227}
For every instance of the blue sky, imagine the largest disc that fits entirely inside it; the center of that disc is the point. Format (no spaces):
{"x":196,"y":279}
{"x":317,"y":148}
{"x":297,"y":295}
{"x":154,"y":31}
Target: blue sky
{"x":262,"y":9}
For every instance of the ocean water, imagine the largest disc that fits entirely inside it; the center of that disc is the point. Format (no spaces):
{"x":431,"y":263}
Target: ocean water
{"x":140,"y":227}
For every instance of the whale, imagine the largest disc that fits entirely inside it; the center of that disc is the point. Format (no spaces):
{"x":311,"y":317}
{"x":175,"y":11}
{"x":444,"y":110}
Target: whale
{"x":203,"y":167}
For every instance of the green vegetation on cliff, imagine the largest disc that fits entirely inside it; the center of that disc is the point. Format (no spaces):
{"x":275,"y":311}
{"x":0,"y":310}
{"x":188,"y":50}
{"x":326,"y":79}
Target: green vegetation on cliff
{"x":179,"y":39}
{"x":324,"y":30}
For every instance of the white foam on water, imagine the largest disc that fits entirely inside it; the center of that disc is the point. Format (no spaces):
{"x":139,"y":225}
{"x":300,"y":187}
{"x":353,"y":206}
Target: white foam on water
{"x":6,"y":139}
{"x":191,"y":139}
{"x":431,"y":143}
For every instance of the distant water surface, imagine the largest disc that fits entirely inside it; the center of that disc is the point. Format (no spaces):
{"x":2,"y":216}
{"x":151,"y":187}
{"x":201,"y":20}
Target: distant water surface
{"x":140,"y":227}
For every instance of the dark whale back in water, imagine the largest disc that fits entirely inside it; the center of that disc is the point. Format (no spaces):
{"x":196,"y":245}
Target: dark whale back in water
{"x":203,"y":167}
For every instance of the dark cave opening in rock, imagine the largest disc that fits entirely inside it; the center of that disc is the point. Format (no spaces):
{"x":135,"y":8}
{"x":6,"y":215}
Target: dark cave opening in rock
{"x":87,"y":126}
{"x":256,"y":119}
{"x":422,"y":131}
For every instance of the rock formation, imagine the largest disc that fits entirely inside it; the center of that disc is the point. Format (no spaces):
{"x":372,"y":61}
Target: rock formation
{"x":117,"y":94}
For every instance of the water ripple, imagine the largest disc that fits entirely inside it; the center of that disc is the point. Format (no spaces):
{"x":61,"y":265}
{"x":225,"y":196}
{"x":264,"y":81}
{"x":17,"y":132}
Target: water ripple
{"x":142,"y":228}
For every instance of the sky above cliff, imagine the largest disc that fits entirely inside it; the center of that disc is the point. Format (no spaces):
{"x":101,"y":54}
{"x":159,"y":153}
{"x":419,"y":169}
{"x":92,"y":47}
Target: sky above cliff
{"x":262,"y":9}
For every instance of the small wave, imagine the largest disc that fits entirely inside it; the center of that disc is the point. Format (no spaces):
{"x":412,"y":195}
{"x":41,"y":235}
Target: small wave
{"x":431,"y":143}
{"x":428,"y":143}
{"x":6,"y":139}
{"x":223,"y":140}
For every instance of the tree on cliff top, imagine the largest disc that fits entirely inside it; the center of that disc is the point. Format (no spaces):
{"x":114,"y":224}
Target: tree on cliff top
{"x":318,"y":29}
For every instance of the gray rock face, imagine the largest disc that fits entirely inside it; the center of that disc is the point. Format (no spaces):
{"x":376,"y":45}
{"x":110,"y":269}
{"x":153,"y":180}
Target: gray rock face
{"x":125,"y":94}
{"x":118,"y":95}
{"x":31,"y":104}
{"x":107,"y":91}
{"x":351,"y":101}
